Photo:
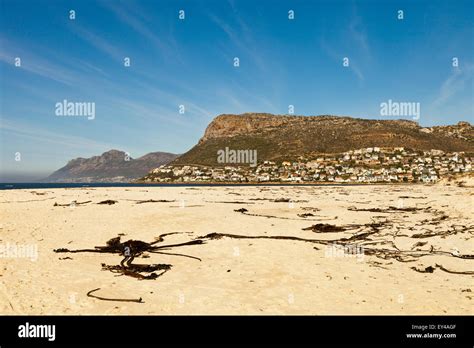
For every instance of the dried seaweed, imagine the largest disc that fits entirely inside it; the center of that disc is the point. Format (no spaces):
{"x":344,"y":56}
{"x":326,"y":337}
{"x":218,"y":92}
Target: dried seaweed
{"x":305,"y":215}
{"x":454,"y":229}
{"x":390,"y":209}
{"x":230,"y":202}
{"x":419,"y":244}
{"x":310,"y":208}
{"x":136,"y":248}
{"x":324,"y":228}
{"x":108,"y":201}
{"x":155,"y":201}
{"x":288,"y":200}
{"x":245,"y":212}
{"x":89,"y":294}
{"x":363,"y":237}
{"x":454,"y":272}
{"x":216,"y":235}
{"x":73,"y":203}
{"x":428,"y":269}
{"x":279,"y":200}
{"x":431,"y":269}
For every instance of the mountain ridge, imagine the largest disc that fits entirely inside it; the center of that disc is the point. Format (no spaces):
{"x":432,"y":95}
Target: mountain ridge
{"x":277,"y":137}
{"x":110,"y":166}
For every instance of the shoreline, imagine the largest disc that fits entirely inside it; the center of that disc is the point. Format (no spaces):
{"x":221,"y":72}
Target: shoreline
{"x":21,"y":186}
{"x":6,"y":186}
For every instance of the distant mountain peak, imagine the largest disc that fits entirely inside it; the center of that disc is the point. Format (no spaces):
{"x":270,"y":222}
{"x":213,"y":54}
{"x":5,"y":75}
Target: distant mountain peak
{"x":111,"y":166}
{"x":113,"y":152}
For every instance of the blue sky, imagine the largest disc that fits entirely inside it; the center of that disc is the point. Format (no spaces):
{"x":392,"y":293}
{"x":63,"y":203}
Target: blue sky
{"x":190,"y":62}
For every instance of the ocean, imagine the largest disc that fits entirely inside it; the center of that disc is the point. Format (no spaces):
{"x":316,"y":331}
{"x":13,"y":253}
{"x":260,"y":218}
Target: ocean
{"x":35,"y":185}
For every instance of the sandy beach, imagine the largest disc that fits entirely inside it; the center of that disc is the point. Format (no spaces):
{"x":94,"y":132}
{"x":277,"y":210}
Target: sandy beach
{"x":412,"y":248}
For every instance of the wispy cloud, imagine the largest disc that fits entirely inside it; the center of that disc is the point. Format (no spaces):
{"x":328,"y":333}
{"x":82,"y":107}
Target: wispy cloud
{"x":80,"y":75}
{"x":51,"y":66}
{"x":241,"y":37}
{"x":355,"y":45}
{"x":243,"y":42}
{"x":35,"y":64}
{"x":98,"y":42}
{"x":339,"y":56}
{"x":240,"y":100}
{"x":358,"y":34}
{"x":455,"y":83}
{"x":154,"y":93}
{"x":357,"y":72}
{"x":41,"y":135}
{"x":137,"y":19}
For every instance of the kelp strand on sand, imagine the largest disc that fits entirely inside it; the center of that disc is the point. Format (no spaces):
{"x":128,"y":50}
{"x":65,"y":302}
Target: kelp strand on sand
{"x":136,"y":248}
{"x":89,"y":294}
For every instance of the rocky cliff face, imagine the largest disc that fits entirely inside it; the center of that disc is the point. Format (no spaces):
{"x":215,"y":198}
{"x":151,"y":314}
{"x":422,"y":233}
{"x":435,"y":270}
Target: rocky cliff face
{"x":231,"y":125}
{"x":462,"y":130}
{"x":111,"y":166}
{"x":281,"y":136}
{"x":227,"y":125}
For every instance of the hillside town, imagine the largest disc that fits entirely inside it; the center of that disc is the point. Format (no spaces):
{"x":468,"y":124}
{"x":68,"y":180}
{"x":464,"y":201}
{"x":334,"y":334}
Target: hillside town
{"x":368,"y":165}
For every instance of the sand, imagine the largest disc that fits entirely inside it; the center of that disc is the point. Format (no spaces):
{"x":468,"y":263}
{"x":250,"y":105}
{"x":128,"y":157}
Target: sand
{"x":239,"y":276}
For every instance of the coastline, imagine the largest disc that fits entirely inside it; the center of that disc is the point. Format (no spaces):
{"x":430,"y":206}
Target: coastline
{"x":21,"y":186}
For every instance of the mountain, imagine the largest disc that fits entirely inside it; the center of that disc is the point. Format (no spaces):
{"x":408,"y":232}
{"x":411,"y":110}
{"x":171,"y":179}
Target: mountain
{"x":283,"y":137}
{"x":111,"y":166}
